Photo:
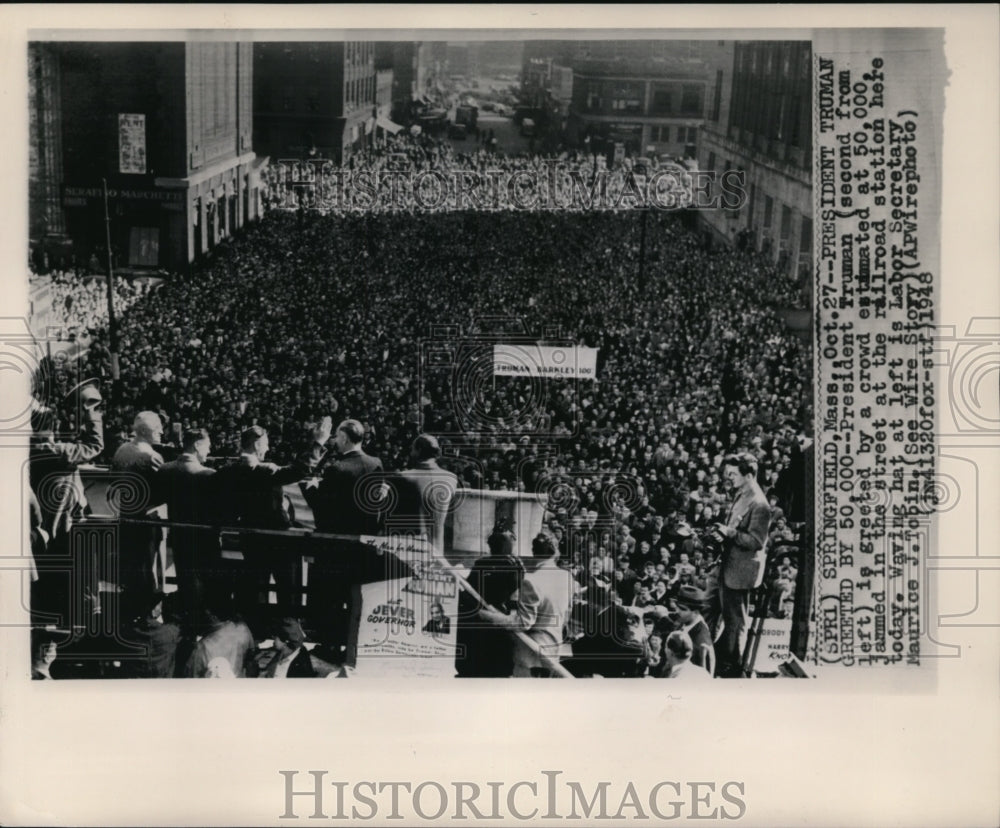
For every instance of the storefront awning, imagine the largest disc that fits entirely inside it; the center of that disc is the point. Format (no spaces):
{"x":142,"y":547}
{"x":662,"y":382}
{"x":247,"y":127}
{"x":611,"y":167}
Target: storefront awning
{"x":388,"y":126}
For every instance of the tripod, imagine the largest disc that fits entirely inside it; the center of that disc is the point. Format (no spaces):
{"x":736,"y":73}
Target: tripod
{"x":762,"y":597}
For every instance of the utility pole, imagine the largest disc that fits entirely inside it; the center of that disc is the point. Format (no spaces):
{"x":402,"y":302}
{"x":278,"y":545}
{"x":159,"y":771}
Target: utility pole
{"x":112,"y":326}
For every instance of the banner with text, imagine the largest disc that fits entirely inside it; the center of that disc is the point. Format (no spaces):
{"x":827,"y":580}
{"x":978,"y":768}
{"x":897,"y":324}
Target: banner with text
{"x":408,"y":625}
{"x":544,"y":361}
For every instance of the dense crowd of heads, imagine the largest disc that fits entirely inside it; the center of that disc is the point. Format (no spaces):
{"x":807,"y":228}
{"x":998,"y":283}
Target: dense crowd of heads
{"x":77,"y":304}
{"x":306,"y":316}
{"x":420,"y":173}
{"x":391,"y":318}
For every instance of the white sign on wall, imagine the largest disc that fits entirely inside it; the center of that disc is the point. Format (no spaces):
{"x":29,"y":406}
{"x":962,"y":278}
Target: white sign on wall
{"x":132,"y":143}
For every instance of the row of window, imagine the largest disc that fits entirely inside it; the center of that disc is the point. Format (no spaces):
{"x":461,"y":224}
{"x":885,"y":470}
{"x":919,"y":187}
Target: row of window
{"x":784,"y":59}
{"x":684,"y":135}
{"x":357,"y":53}
{"x":785,"y":225}
{"x":666,"y":99}
{"x":359,"y":92}
{"x":775,"y":104}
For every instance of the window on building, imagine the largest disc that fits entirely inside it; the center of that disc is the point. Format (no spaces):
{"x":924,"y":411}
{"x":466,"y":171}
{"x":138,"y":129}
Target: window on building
{"x":144,"y":246}
{"x":593,"y":97}
{"x":692,"y":99}
{"x":717,"y":95}
{"x":626,"y":105}
{"x":768,"y":210}
{"x":661,"y":135}
{"x":786,"y":223}
{"x":661,"y":103}
{"x":806,"y":238}
{"x":626,"y":97}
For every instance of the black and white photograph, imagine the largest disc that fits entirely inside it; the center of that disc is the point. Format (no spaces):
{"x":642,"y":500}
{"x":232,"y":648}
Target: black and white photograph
{"x":541,"y":303}
{"x":400,"y":355}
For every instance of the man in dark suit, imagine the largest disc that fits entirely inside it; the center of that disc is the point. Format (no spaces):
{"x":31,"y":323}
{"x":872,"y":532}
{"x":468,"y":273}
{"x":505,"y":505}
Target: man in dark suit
{"x":347,"y":499}
{"x":251,"y":495}
{"x":186,"y":485}
{"x":485,"y":651}
{"x":135,"y":464}
{"x":425,"y":493}
{"x":743,"y":557}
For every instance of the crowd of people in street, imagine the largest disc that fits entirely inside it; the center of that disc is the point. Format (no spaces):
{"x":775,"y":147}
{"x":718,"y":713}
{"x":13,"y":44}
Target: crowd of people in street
{"x":410,"y":173}
{"x":77,"y":303}
{"x":388,"y":320}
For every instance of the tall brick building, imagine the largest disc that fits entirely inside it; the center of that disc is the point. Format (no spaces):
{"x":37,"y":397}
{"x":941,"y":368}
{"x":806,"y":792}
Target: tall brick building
{"x":650,"y":95}
{"x":313,"y":99}
{"x":167,"y":126}
{"x":764,"y":128}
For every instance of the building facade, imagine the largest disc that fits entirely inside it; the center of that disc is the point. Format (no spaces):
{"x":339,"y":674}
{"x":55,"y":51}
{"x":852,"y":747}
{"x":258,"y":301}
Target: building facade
{"x":314,"y":99}
{"x":650,"y":96}
{"x":46,"y":217}
{"x":413,"y":75}
{"x":634,"y":104}
{"x":383,"y":93}
{"x":764,"y":129}
{"x":160,"y":132}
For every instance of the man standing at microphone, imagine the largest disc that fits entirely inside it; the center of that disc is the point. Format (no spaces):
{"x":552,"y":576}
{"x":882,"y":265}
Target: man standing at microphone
{"x":743,"y":557}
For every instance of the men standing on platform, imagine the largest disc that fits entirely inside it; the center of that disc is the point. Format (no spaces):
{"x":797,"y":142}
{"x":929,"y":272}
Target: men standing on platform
{"x":56,"y":482}
{"x":136,"y":463}
{"x":251,"y":496}
{"x":743,"y":557}
{"x":139,"y":454}
{"x":187,"y":486}
{"x":425,"y":492}
{"x":347,"y":499}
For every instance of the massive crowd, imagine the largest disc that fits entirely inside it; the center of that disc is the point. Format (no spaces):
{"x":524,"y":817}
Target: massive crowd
{"x":76,"y":309}
{"x":409,"y":173}
{"x":307,"y":315}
